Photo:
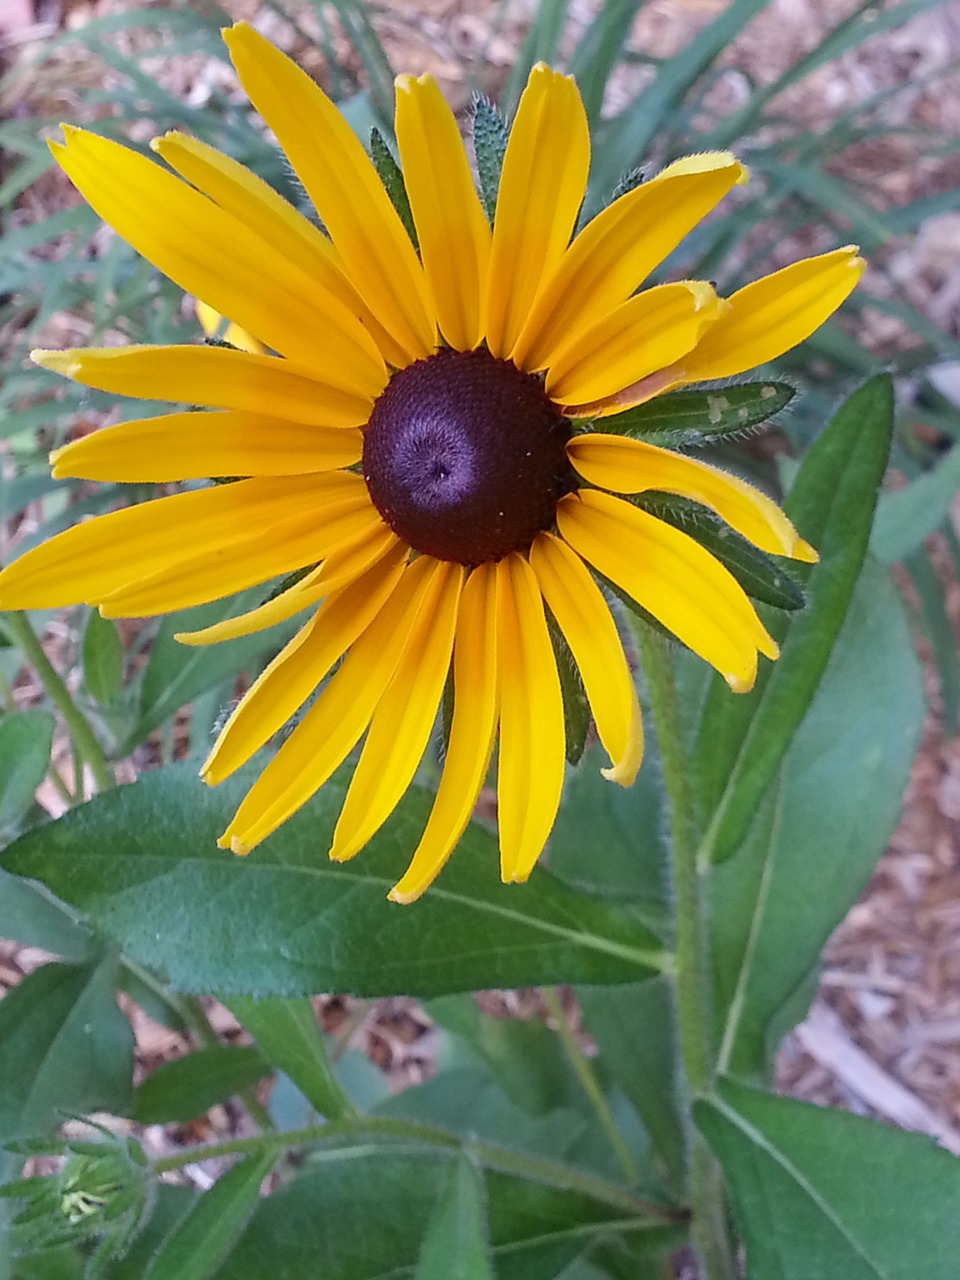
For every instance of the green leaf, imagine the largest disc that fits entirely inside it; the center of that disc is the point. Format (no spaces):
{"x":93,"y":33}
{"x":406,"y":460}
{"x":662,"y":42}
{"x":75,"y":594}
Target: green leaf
{"x":608,"y":839}
{"x":490,"y":134}
{"x":762,"y":576}
{"x":817,"y":839}
{"x":352,"y":1214}
{"x":822,"y":1193}
{"x":288,"y":1036}
{"x":30,"y":915}
{"x":906,"y":517}
{"x":198,"y":1243}
{"x":742,"y":740}
{"x":102,"y":658}
{"x":64,"y":1047}
{"x":455,"y":1246}
{"x":25,"y":739}
{"x":170,"y":1206}
{"x":391,"y":176}
{"x":682,"y":419}
{"x":937,"y":624}
{"x":576,"y":708}
{"x":176,"y":674}
{"x":634,"y":1031}
{"x":187,"y":1087}
{"x":142,"y":863}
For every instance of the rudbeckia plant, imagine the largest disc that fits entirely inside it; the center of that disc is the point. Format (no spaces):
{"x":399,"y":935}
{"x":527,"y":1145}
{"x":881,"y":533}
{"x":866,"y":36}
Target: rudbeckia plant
{"x":448,"y":438}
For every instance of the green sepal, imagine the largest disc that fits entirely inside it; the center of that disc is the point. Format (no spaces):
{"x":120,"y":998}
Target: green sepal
{"x":576,"y":708}
{"x":391,"y":175}
{"x":691,"y":418}
{"x":761,"y":575}
{"x":490,"y":134}
{"x":632,"y":179}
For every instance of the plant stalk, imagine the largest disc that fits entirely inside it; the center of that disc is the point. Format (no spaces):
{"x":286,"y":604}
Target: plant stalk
{"x":18,"y":628}
{"x":708,"y":1230}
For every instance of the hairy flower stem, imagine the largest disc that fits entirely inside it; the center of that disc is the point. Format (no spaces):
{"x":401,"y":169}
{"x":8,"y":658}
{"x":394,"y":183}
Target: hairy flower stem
{"x":18,"y":628}
{"x":708,"y":1229}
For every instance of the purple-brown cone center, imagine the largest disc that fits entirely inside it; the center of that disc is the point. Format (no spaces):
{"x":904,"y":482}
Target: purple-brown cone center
{"x":465,"y":457}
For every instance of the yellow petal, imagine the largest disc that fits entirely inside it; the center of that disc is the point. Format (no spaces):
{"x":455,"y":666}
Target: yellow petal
{"x":532,"y":736}
{"x":541,"y":189}
{"x":210,"y":322}
{"x":471,"y":733}
{"x":87,"y":562}
{"x":582,"y":615}
{"x":617,"y":250}
{"x":297,"y":670}
{"x":644,"y":334}
{"x":343,"y":185}
{"x":260,"y":208}
{"x":401,"y":724}
{"x":773,"y":314}
{"x":334,"y":724}
{"x":222,"y":571}
{"x":631,"y":466}
{"x":451,"y":226}
{"x":349,"y":560}
{"x":213,"y":377}
{"x":672,"y":577}
{"x":211,"y":254}
{"x":192,"y":446}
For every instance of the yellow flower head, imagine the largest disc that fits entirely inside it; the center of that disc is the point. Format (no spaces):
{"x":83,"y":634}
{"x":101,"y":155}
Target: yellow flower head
{"x":404,"y":421}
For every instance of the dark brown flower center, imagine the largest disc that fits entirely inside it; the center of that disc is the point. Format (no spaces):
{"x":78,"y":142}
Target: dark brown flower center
{"x":465,"y":457}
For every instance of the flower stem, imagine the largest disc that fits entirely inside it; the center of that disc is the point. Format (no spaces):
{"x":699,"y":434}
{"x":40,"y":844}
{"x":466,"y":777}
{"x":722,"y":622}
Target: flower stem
{"x":342,"y":1135}
{"x":18,"y":628}
{"x":591,"y":1086}
{"x":708,"y":1230}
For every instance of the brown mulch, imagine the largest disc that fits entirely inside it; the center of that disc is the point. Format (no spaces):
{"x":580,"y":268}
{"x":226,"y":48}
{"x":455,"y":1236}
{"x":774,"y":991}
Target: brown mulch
{"x":883,"y":1036}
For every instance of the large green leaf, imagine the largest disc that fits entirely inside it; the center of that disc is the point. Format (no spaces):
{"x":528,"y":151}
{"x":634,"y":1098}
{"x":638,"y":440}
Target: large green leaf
{"x":204,"y":1237}
{"x":455,"y":1245}
{"x":142,"y":863}
{"x":64,"y":1047}
{"x":288,"y":1036}
{"x":175,"y":673}
{"x":355,"y":1214}
{"x":30,"y":915}
{"x":635,"y":1033}
{"x":816,"y":842}
{"x":819,"y":1193}
{"x":743,"y":739}
{"x":187,"y":1087}
{"x":25,"y":738}
{"x":907,"y":516}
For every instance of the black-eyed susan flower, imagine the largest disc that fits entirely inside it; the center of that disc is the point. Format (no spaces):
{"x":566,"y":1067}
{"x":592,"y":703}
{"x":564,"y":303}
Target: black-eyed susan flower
{"x":404,"y":421}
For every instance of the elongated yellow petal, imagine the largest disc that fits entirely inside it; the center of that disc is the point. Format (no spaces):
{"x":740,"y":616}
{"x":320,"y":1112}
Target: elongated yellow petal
{"x":343,"y":185}
{"x":211,"y":320}
{"x":87,"y":562}
{"x":451,"y":226}
{"x":214,"y":256}
{"x":297,"y":670}
{"x":401,"y":724}
{"x":532,"y":736}
{"x":471,"y":733}
{"x":771,"y":315}
{"x":223,"y":571}
{"x":192,"y":446}
{"x":213,"y":377}
{"x":617,"y":250}
{"x":582,"y":615}
{"x":348,"y":561}
{"x":644,"y":334}
{"x":541,"y":189}
{"x":631,"y":466}
{"x":334,"y":724}
{"x":260,"y":208}
{"x":672,"y":577}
